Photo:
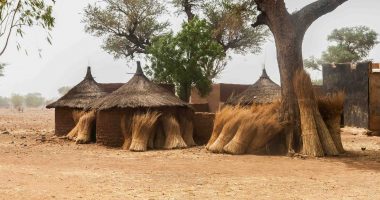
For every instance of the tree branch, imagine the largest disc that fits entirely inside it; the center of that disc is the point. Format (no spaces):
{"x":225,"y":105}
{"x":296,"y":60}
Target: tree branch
{"x":307,"y":15}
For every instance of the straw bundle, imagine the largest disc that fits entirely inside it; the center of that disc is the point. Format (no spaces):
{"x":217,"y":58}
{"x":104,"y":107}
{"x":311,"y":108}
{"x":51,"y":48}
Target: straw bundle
{"x":331,"y":108}
{"x":187,"y":128}
{"x":85,"y":126}
{"x":143,"y":126}
{"x":316,"y":138}
{"x":229,"y":130}
{"x":173,"y":136}
{"x":77,"y":114}
{"x":126,"y":129}
{"x":159,"y":137}
{"x":221,"y":118}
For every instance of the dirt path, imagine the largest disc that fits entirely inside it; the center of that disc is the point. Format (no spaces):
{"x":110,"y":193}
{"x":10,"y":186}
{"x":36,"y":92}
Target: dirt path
{"x":57,"y":169}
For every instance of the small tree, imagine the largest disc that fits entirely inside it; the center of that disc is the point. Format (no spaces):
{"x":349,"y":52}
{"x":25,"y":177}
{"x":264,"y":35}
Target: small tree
{"x":351,"y":44}
{"x":34,"y":100}
{"x":127,"y":25}
{"x":190,"y":58}
{"x":17,"y":100}
{"x":63,"y":90}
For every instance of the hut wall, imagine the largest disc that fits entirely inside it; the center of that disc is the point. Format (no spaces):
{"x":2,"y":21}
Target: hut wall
{"x":354,"y":82}
{"x":108,"y":130}
{"x":374,"y":98}
{"x":64,"y":121}
{"x":203,"y":125}
{"x":202,"y":107}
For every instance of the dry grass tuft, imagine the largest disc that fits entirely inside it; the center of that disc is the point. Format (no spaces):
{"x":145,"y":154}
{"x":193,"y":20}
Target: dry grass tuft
{"x":187,"y":128}
{"x":229,"y":129}
{"x":86,"y":125}
{"x":126,"y":129}
{"x":144,"y":124}
{"x":221,"y":118}
{"x":331,"y":108}
{"x":172,"y":130}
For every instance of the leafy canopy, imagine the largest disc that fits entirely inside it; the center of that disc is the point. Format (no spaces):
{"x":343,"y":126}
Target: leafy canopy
{"x":189,"y":58}
{"x":16,"y":15}
{"x":126,"y":25}
{"x":350,"y":44}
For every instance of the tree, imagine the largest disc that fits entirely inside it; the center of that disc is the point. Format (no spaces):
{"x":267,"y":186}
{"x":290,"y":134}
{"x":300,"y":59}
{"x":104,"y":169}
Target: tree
{"x":34,"y":100}
{"x":4,"y":102}
{"x":190,"y":58}
{"x":127,"y":25}
{"x":17,"y":100}
{"x":230,"y":22}
{"x":16,"y":15}
{"x":2,"y":65}
{"x":289,"y":30}
{"x":63,"y":90}
{"x":351,"y":44}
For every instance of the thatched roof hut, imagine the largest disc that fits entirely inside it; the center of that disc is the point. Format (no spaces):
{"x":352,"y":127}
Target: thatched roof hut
{"x":261,"y":92}
{"x":136,"y":99}
{"x":76,"y":99}
{"x":139,"y":92}
{"x":81,"y":95}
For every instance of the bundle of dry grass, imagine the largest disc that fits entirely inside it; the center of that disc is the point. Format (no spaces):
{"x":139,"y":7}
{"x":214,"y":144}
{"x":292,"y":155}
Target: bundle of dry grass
{"x":221,"y":118}
{"x":229,"y":130}
{"x":186,"y":125}
{"x":172,"y":130}
{"x":85,"y":124}
{"x":331,"y":108}
{"x":126,"y":129}
{"x":159,"y":137}
{"x":257,"y":130}
{"x":144,"y":125}
{"x":316,"y":139}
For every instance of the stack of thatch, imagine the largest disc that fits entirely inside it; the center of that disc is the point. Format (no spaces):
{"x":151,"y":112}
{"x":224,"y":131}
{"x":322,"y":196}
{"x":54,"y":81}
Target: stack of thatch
{"x":239,"y":130}
{"x":69,"y":109}
{"x":152,"y":116}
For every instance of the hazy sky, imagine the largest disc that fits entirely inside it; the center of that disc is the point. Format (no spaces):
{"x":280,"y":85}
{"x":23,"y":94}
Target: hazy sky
{"x":64,"y":63}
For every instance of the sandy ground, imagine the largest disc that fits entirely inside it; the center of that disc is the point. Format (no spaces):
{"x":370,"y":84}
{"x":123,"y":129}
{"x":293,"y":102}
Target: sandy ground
{"x":31,"y":168}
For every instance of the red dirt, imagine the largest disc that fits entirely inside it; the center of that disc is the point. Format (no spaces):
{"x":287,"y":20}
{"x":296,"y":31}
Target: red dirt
{"x":58,"y":169}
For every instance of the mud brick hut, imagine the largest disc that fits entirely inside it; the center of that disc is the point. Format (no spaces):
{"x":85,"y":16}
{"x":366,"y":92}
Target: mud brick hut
{"x":79,"y":97}
{"x":138,"y":95}
{"x":262,"y":92}
{"x":361,"y":84}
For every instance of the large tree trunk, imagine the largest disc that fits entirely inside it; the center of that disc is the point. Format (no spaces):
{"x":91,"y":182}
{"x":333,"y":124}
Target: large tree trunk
{"x":289,"y":30}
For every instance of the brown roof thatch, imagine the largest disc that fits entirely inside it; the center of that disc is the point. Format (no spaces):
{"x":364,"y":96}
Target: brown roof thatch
{"x":139,"y":92}
{"x":263,"y":91}
{"x":80,"y":95}
{"x":110,"y":87}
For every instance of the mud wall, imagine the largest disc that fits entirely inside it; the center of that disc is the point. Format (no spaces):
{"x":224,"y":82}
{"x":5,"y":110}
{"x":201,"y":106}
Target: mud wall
{"x":64,"y":121}
{"x":203,"y":125}
{"x":354,"y":81}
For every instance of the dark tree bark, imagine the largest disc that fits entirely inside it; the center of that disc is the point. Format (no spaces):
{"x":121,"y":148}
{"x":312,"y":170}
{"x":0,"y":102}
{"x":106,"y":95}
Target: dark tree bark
{"x":289,"y":30}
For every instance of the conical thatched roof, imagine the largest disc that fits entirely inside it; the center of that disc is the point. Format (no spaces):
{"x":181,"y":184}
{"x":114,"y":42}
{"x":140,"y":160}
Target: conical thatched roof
{"x":139,"y":92}
{"x":263,"y":91}
{"x":81,"y":95}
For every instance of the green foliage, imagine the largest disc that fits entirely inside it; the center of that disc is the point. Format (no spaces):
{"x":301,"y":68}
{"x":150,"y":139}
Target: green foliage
{"x":312,"y":63}
{"x":127,"y":25}
{"x":63,"y":90}
{"x":17,"y":100}
{"x":34,"y":100}
{"x":4,"y":102}
{"x":231,"y":25}
{"x":351,"y":44}
{"x":17,"y":15}
{"x":2,"y":65}
{"x":189,"y":58}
